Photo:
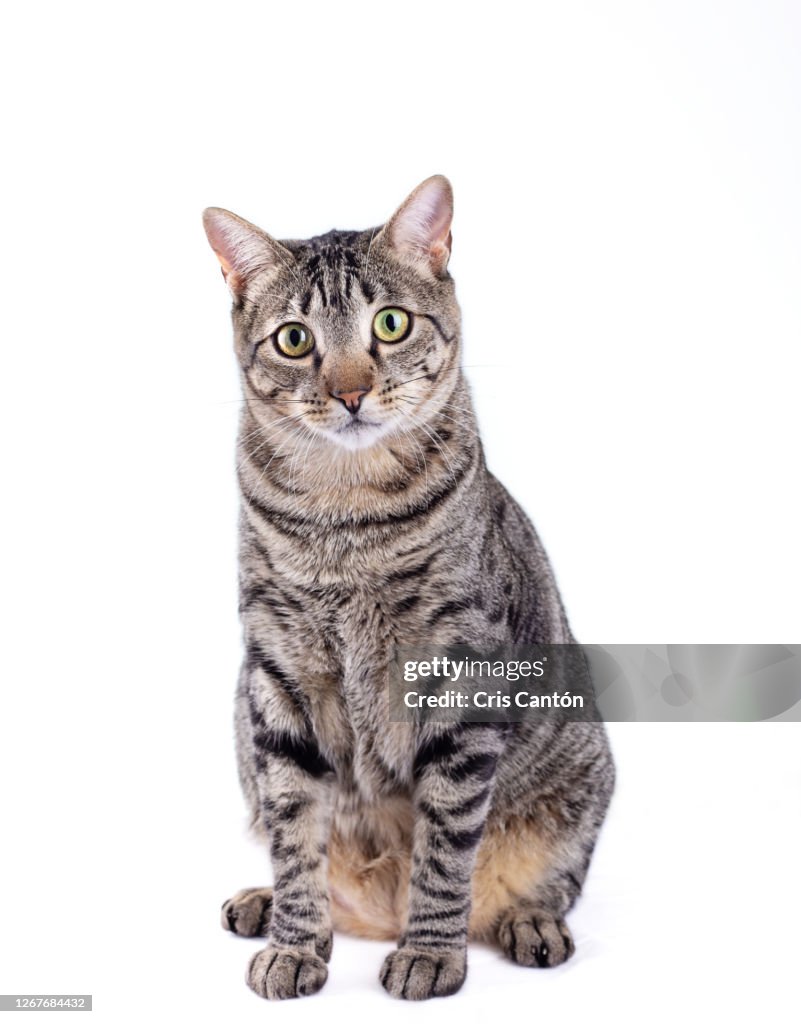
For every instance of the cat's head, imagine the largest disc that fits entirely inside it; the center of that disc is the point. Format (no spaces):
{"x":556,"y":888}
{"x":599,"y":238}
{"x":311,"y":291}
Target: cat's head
{"x":352,"y":335}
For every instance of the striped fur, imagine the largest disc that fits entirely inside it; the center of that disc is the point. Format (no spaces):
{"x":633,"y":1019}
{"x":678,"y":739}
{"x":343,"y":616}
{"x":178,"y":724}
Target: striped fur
{"x":359,"y":533}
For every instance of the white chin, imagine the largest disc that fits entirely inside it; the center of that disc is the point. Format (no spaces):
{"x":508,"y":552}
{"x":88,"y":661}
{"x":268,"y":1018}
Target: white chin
{"x":356,"y":435}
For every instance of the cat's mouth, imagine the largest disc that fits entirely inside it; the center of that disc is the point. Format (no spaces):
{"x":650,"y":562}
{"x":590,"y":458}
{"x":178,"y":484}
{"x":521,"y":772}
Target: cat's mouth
{"x":357,"y":422}
{"x":358,"y":432}
{"x":357,"y":425}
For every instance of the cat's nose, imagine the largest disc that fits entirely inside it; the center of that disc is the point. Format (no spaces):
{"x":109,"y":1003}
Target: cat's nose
{"x":351,"y":399}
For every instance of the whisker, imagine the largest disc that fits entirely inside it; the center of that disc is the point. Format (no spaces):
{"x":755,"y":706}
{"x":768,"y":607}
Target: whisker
{"x":261,"y":401}
{"x":416,"y":419}
{"x":262,"y":428}
{"x":292,"y":270}
{"x":277,"y":452}
{"x":407,"y":432}
{"x":306,"y":450}
{"x":440,"y":414}
{"x":273,"y":432}
{"x":280,"y":448}
{"x":369,"y":247}
{"x":459,"y":422}
{"x":400,"y":383}
{"x":259,"y":431}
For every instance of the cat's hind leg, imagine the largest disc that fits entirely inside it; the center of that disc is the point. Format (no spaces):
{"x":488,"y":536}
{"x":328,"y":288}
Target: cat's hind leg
{"x":523,"y":887}
{"x":537,"y":846}
{"x":248,"y":912}
{"x":534,"y":937}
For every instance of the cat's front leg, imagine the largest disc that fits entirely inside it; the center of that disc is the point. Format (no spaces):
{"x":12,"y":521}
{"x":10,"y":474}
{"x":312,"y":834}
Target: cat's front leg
{"x":295,"y":785}
{"x":454,"y":772}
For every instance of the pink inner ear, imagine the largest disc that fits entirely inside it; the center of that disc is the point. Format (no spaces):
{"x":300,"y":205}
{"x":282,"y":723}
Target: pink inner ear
{"x":439,"y":227}
{"x":225,"y":265}
{"x":241,"y":248}
{"x":423,"y":223}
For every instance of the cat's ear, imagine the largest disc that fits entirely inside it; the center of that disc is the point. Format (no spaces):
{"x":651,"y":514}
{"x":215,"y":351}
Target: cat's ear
{"x":242,"y":249}
{"x":420,"y":229}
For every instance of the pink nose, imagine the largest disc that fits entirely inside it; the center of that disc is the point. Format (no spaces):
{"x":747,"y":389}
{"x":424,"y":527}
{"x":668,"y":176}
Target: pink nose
{"x":351,"y":399}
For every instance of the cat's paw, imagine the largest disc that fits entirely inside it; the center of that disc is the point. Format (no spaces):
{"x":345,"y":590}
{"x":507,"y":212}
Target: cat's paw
{"x":417,"y":974}
{"x":279,"y":973}
{"x":535,"y":939}
{"x":248,"y":912}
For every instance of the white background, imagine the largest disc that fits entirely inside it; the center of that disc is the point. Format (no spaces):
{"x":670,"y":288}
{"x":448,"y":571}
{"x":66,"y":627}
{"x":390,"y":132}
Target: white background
{"x":626,"y":249}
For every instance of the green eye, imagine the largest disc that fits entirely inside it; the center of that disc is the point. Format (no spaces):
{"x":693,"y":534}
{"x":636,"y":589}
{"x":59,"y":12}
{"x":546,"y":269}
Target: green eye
{"x":294,"y":340}
{"x":391,"y":325}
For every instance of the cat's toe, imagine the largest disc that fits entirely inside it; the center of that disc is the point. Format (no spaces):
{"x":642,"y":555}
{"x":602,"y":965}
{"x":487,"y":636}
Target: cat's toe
{"x":414,"y":974}
{"x":535,"y":939}
{"x":277,"y":973}
{"x":248,"y":912}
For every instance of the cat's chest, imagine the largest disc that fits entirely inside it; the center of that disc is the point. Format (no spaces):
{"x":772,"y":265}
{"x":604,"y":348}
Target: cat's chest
{"x":377,"y":753}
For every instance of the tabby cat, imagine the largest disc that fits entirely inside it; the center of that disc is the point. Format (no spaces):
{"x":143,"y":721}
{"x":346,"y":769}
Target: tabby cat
{"x":369,"y":519}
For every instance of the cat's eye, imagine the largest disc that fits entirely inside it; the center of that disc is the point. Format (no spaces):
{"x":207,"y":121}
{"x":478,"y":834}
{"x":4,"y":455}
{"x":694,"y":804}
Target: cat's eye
{"x":391,"y":325}
{"x":294,"y":340}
